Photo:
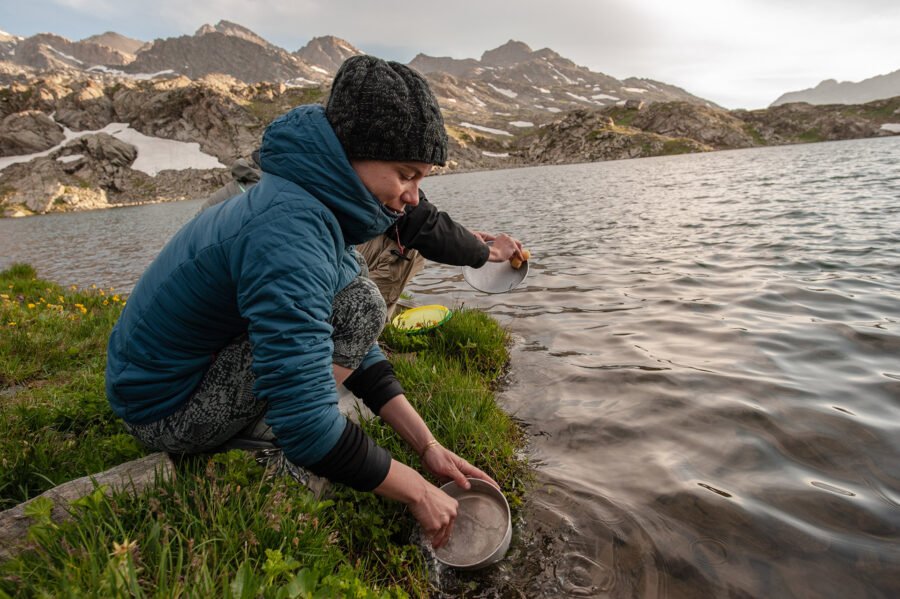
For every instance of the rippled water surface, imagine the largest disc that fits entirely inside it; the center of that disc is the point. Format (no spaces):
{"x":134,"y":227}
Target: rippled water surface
{"x":707,"y":357}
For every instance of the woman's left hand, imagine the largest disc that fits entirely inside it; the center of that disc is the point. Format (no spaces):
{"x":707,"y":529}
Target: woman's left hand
{"x":446,"y":465}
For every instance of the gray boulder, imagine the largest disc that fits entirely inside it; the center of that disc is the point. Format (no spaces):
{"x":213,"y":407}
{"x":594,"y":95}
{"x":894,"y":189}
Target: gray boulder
{"x":28,"y":132}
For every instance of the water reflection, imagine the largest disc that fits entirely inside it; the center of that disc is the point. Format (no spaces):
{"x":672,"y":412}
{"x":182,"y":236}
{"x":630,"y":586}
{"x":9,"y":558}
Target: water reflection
{"x":107,"y":248}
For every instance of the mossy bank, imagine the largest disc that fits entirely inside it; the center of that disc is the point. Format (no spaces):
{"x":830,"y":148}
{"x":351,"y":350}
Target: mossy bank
{"x":224,"y":527}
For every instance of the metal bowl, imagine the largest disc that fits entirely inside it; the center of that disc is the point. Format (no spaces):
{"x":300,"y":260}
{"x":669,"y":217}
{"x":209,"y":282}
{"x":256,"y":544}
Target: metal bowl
{"x":483,"y":528}
{"x":495,"y":277}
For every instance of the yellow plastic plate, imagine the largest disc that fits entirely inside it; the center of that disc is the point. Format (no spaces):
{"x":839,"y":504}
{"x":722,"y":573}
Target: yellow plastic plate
{"x":421,"y":319}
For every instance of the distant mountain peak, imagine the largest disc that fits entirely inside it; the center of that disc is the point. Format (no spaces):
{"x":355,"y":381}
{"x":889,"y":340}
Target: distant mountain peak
{"x":831,"y":91}
{"x":234,"y":30}
{"x":116,"y":41}
{"x":510,"y":53}
{"x":327,"y":52}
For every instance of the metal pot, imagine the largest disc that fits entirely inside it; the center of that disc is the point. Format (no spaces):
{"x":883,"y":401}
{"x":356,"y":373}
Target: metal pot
{"x":483,"y":528}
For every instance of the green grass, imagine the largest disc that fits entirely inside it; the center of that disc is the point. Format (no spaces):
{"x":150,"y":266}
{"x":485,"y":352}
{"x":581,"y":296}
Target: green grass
{"x":470,"y":338}
{"x":621,"y":115}
{"x":678,"y":145}
{"x":222,"y":528}
{"x":55,"y":424}
{"x":449,"y":379}
{"x":754,"y":134}
{"x":266,"y":110}
{"x":811,"y":136}
{"x":879,"y":110}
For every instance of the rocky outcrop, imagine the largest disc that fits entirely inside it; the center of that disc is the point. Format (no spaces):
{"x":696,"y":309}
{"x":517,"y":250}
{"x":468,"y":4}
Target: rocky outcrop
{"x":223,"y":115}
{"x":589,"y":136}
{"x":93,"y":172}
{"x":799,"y":123}
{"x":79,"y":175}
{"x":712,"y":127}
{"x":213,"y":112}
{"x":86,"y":107}
{"x":28,"y":132}
{"x":100,"y":155}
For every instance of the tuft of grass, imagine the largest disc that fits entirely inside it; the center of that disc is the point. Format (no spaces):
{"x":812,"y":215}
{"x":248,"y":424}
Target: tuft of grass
{"x":811,"y":136}
{"x":265,"y":110}
{"x":471,"y":338}
{"x":678,"y":145}
{"x":754,"y":133}
{"x":449,"y":375}
{"x":621,"y":115}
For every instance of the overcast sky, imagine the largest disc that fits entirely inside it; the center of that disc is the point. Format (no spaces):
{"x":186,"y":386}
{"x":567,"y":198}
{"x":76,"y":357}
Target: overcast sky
{"x":737,"y":53}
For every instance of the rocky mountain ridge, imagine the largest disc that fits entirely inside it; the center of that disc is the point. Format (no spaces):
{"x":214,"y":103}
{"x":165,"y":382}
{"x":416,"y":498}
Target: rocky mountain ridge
{"x":831,"y":91}
{"x":512,"y":107}
{"x":227,"y":117}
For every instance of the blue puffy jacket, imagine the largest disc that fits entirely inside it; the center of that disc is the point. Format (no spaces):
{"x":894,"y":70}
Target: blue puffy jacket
{"x":268,"y":262}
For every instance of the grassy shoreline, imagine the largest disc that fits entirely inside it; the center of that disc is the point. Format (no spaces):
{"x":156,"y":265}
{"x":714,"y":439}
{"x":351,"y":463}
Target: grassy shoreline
{"x":223,"y":527}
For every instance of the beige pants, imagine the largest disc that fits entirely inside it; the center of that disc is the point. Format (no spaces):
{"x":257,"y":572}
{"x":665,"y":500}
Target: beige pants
{"x":388,"y":271}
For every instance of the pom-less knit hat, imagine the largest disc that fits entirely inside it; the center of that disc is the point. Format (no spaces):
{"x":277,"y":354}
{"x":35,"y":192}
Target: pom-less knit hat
{"x":384,"y":110}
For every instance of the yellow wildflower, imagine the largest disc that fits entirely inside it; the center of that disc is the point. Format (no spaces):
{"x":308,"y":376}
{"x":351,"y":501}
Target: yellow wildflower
{"x":123,"y":549}
{"x":93,"y":286}
{"x":116,"y":298}
{"x":31,"y":306}
{"x":105,"y":302}
{"x":12,"y":324}
{"x":60,"y":299}
{"x":4,"y":296}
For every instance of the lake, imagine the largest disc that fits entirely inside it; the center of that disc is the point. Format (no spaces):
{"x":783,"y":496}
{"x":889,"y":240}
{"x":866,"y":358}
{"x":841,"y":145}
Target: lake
{"x":707,"y":359}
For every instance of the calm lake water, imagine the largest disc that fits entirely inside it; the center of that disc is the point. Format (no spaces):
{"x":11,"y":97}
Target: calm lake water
{"x":707,"y":357}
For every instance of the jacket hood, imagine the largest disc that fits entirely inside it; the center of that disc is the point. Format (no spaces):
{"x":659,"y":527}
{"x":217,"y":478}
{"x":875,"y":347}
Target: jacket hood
{"x":301,"y":146}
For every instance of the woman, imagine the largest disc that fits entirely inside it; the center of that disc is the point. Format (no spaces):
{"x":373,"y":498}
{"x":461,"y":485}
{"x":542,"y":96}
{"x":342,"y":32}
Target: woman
{"x":233,"y":319}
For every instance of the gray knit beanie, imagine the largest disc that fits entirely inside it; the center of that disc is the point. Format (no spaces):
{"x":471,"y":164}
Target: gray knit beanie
{"x":384,"y":110}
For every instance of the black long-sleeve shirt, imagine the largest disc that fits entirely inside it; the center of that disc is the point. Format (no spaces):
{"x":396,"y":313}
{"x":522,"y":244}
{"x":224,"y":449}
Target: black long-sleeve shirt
{"x":438,"y":237}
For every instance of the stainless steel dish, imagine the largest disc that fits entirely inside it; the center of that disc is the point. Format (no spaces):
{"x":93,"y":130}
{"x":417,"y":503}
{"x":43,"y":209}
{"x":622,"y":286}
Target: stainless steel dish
{"x":483,"y":528}
{"x":495,"y":277}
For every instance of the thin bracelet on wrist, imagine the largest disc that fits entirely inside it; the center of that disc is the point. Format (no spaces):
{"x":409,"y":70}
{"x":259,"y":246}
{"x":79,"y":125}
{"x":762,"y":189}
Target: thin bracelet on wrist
{"x":428,"y":446}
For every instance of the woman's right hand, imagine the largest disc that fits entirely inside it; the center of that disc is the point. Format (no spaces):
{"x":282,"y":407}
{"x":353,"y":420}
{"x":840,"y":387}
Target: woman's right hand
{"x":432,"y":508}
{"x":436,"y":512}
